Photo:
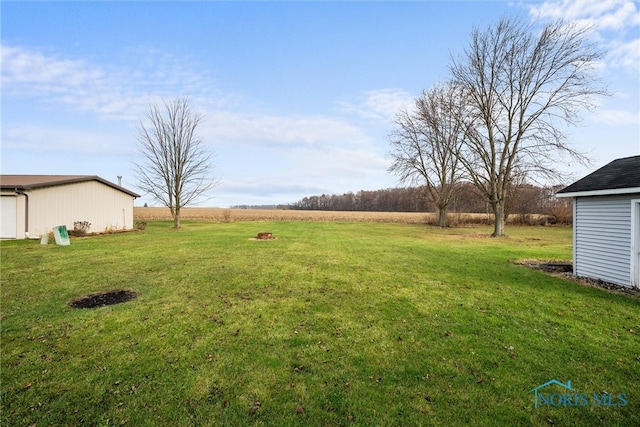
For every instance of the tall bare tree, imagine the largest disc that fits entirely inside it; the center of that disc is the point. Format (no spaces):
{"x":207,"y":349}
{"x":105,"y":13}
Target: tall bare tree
{"x":426,"y":144}
{"x":176,"y":168}
{"x":523,"y":85}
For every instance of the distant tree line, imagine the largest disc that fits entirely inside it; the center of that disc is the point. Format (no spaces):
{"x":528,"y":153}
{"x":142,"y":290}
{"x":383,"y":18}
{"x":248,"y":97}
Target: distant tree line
{"x":258,"y":207}
{"x":524,"y":199}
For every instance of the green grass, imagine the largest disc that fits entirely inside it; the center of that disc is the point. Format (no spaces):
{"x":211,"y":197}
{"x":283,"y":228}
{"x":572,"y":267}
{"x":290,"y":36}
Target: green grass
{"x":329,"y":324}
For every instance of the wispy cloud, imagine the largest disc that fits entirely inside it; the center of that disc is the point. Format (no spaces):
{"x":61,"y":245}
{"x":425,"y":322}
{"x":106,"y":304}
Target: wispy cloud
{"x":617,"y":117}
{"x":302,"y":171}
{"x":288,"y":157}
{"x":626,"y":56}
{"x":606,"y":15}
{"x":280,"y":131}
{"x":121,"y":93}
{"x":266,"y":190}
{"x":74,"y":82}
{"x":29,"y":69}
{"x":110,"y":91}
{"x":263,"y":156}
{"x":381,"y":104}
{"x":615,"y":23}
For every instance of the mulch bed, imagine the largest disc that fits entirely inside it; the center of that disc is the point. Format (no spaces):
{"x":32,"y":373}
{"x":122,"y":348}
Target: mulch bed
{"x":565,"y":271}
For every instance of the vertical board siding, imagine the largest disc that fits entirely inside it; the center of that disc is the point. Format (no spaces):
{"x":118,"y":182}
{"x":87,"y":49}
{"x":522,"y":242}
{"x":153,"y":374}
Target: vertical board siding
{"x":103,"y":206}
{"x":13,"y":215}
{"x":603,"y":238}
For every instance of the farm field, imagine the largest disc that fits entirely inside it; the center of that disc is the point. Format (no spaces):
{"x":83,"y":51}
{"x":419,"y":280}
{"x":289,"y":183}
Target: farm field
{"x":329,"y":323}
{"x":220,"y":214}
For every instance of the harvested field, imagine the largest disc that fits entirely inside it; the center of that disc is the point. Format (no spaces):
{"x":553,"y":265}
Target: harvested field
{"x":228,"y":215}
{"x":219,"y":214}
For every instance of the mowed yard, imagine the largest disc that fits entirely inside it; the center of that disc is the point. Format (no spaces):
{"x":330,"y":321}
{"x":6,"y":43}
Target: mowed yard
{"x":330,"y":323}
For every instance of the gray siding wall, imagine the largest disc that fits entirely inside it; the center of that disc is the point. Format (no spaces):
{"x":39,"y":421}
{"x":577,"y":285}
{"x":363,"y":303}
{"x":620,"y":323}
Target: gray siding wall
{"x":602,"y":238}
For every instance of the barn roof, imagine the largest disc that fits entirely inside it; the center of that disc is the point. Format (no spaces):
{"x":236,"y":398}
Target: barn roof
{"x":621,"y":176}
{"x":32,"y":182}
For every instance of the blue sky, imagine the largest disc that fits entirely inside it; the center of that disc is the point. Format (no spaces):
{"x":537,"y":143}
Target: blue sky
{"x":298,"y":97}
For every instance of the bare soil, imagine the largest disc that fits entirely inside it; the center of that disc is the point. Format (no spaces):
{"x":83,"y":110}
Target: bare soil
{"x":103,"y":299}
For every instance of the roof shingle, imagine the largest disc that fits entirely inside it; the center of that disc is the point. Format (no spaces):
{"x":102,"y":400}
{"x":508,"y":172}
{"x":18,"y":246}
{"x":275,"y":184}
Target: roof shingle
{"x":619,"y":174}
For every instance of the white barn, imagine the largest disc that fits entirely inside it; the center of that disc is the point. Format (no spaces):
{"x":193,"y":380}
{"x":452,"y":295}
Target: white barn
{"x":606,"y":223}
{"x":30,"y":205}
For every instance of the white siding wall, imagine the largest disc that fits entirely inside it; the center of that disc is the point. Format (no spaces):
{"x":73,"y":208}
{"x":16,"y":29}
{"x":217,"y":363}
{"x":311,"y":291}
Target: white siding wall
{"x":602,"y":241}
{"x":9,"y":215}
{"x":103,"y":206}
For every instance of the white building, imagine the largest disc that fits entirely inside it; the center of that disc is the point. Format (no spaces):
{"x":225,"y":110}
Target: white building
{"x":606,"y":223}
{"x":32,"y":204}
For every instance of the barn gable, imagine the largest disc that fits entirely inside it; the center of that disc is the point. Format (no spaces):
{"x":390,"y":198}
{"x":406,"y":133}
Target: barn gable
{"x":606,"y":218}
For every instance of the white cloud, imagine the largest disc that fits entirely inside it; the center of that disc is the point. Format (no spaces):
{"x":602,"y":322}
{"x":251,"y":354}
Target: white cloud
{"x":382,"y":104}
{"x":264,"y":129}
{"x":27,"y":72}
{"x":266,"y":190}
{"x":626,"y":56}
{"x":289,"y":174}
{"x":613,"y":15}
{"x":284,"y":158}
{"x":617,"y":117}
{"x":621,"y":18}
{"x":31,"y":69}
{"x":112,"y":91}
{"x":262,"y":156}
{"x":615,"y":23}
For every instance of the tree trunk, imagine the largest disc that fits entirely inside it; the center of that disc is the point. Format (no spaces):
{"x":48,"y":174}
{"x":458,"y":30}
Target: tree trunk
{"x":176,"y":218}
{"x":442,"y":216}
{"x":499,"y":219}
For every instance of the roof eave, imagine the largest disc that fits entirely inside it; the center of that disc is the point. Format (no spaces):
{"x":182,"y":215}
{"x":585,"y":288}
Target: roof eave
{"x":608,"y":192}
{"x":66,"y":181}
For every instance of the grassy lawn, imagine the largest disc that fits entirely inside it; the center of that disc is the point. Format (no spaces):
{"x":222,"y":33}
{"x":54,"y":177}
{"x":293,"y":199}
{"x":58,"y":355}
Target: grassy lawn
{"x":329,"y":324}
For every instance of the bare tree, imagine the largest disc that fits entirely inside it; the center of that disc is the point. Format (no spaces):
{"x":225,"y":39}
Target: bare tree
{"x":426,"y":144}
{"x":176,"y":168}
{"x":522,"y":85}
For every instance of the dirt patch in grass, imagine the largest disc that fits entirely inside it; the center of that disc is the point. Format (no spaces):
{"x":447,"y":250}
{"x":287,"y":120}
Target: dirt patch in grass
{"x":565,"y":270}
{"x":103,"y":298}
{"x":264,"y":236}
